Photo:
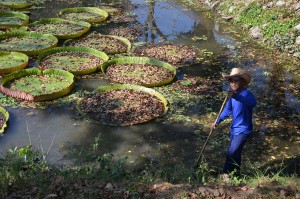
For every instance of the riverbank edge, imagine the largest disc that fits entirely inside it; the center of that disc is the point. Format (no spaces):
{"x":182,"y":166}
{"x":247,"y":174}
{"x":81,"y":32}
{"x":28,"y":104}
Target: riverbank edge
{"x":285,"y":43}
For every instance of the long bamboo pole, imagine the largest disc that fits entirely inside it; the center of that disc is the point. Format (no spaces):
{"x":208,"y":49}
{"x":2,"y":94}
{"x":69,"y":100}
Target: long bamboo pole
{"x":210,"y":133}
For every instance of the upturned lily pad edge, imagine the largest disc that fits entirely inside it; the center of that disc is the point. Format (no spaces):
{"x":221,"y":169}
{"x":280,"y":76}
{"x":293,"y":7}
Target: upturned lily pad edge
{"x":17,"y":6}
{"x":124,"y":40}
{"x":84,"y":24}
{"x":21,"y":15}
{"x":35,"y":71}
{"x":126,"y":86}
{"x":34,"y":35}
{"x":87,"y":9}
{"x":15,"y":68}
{"x":6,"y":116}
{"x":135,"y":60}
{"x":91,"y":51}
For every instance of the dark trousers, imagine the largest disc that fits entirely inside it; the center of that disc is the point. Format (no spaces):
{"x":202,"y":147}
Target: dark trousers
{"x":234,"y":153}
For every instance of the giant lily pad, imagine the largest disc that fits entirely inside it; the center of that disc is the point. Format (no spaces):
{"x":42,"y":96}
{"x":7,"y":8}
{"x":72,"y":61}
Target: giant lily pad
{"x":77,"y":60}
{"x":4,"y":115}
{"x":110,"y":44}
{"x":9,"y":19}
{"x":61,"y":28}
{"x":118,"y":13}
{"x":12,"y":61}
{"x":123,"y":104}
{"x":88,"y":14}
{"x":29,"y":43}
{"x":131,"y":33}
{"x":178,"y":55}
{"x":16,"y":4}
{"x":139,"y":70}
{"x":37,"y":85}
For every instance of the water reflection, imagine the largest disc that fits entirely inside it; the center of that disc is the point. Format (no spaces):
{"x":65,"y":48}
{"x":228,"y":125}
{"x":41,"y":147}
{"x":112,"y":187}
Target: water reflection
{"x":163,"y":21}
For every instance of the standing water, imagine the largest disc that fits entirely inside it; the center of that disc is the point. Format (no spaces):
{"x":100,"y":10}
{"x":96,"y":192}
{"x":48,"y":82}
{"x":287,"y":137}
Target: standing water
{"x":56,"y":129}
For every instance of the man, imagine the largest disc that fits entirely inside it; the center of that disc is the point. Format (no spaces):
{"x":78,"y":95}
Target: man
{"x":240,"y":105}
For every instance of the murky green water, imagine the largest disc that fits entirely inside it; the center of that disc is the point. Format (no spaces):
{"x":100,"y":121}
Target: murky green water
{"x":182,"y":132}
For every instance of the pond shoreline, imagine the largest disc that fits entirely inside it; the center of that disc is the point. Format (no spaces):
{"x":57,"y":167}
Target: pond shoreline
{"x":236,"y":13}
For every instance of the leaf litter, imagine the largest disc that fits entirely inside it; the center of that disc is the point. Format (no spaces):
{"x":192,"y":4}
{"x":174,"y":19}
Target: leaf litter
{"x":71,"y":61}
{"x":105,"y":43}
{"x":177,"y":55}
{"x":122,"y":107}
{"x":138,"y":73}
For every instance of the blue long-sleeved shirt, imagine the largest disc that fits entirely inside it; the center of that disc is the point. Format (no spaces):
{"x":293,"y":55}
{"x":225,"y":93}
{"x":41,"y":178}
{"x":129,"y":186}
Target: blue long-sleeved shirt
{"x":240,"y":106}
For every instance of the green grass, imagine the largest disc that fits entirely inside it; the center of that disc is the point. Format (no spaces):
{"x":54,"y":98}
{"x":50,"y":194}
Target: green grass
{"x":22,"y":169}
{"x":277,"y":20}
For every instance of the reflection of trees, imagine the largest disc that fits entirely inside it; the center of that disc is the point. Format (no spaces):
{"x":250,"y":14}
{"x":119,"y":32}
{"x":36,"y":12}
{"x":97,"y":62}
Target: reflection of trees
{"x":151,"y":28}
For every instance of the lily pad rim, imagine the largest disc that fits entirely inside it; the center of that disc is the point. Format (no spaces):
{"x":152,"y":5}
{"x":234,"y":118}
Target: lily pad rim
{"x":30,"y":35}
{"x":17,"y":6}
{"x":56,"y":20}
{"x":120,"y":38}
{"x":9,"y":13}
{"x":135,"y":59}
{"x":150,"y":91}
{"x":87,"y":9}
{"x":90,"y":51}
{"x":35,"y":71}
{"x":86,"y":27}
{"x":6,"y":116}
{"x":15,"y":54}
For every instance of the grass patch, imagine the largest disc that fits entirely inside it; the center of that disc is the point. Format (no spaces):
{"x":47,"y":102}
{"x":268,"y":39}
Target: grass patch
{"x":24,"y":172}
{"x":274,"y":21}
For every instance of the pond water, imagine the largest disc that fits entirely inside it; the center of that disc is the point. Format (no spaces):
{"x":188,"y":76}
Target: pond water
{"x":181,"y":133}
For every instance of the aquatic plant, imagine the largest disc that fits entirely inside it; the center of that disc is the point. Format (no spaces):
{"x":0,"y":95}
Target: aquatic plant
{"x":88,"y":14}
{"x":17,"y":4}
{"x":61,"y":28}
{"x":37,"y":85}
{"x":110,"y":44}
{"x":77,"y":60}
{"x":10,"y":19}
{"x":139,"y":70}
{"x":123,"y":105}
{"x":4,"y":116}
{"x":12,"y":61}
{"x":29,"y":43}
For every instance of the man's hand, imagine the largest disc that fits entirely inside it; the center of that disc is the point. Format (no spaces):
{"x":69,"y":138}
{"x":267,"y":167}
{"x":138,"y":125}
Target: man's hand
{"x":213,"y":125}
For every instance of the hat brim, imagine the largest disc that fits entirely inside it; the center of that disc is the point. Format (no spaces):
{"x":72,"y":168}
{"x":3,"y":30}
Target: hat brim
{"x":245,"y":76}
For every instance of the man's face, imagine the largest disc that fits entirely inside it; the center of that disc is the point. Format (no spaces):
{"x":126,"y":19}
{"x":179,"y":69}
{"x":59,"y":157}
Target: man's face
{"x":236,"y":84}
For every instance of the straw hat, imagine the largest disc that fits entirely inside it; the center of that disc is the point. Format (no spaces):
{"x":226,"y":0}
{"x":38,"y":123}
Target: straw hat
{"x":237,"y":72}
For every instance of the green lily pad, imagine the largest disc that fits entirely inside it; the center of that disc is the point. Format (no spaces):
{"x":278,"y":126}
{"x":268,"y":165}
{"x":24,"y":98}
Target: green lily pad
{"x":9,"y":19}
{"x":123,"y":104}
{"x":139,"y":70}
{"x":12,"y":61}
{"x":37,"y":85}
{"x":29,"y":43}
{"x":4,"y":115}
{"x":109,"y":9}
{"x":61,"y":28}
{"x":16,"y":4}
{"x":88,"y":14}
{"x":77,"y":60}
{"x":110,"y":44}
